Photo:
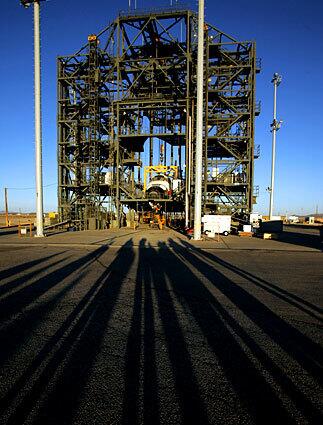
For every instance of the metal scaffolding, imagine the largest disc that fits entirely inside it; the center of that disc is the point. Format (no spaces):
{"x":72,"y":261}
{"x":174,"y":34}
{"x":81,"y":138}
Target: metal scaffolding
{"x":229,"y":120}
{"x":127,"y":120}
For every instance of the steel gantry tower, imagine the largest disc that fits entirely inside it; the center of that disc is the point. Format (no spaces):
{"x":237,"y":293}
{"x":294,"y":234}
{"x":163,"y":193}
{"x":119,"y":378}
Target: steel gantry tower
{"x":127,"y":120}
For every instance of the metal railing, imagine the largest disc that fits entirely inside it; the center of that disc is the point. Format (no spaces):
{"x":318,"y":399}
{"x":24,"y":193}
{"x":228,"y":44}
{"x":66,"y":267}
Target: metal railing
{"x":183,"y":7}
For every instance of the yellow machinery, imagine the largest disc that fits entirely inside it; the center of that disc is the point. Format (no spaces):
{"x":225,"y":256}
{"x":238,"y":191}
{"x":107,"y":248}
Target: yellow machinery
{"x":158,"y":219}
{"x":168,"y":171}
{"x":154,"y":217}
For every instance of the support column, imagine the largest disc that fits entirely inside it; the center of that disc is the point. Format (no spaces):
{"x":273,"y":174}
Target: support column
{"x":38,"y":134}
{"x":199,"y":125}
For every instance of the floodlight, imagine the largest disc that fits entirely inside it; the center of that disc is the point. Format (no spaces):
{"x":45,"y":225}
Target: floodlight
{"x":27,"y":3}
{"x":277,"y":79}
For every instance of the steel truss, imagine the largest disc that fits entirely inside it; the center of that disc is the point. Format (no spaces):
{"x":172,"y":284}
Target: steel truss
{"x":126,"y":102}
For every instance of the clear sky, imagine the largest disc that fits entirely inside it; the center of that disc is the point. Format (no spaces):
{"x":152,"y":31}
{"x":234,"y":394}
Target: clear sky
{"x":289,"y":36}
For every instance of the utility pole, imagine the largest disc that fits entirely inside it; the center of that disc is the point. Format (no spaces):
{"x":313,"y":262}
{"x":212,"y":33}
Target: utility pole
{"x":6,"y":205}
{"x":38,"y":123}
{"x":275,"y":126}
{"x":199,"y":125}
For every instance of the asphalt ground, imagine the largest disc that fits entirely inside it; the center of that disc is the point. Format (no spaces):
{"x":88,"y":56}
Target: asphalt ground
{"x":147,"y":328}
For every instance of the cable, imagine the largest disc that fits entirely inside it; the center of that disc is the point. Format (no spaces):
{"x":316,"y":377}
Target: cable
{"x":29,"y":188}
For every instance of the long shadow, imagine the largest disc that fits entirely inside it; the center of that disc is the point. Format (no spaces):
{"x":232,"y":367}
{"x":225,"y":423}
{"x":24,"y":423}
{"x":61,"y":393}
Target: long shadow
{"x":8,"y":232}
{"x":113,"y":238}
{"x":305,"y":351}
{"x":20,"y":281}
{"x":16,"y":301}
{"x":33,"y":317}
{"x":193,"y":409}
{"x":69,"y":367}
{"x":275,"y":290}
{"x":151,"y":279}
{"x":142,"y":317}
{"x":151,"y":399}
{"x":4,"y":274}
{"x":14,"y":333}
{"x":50,"y":233}
{"x":130,"y":410}
{"x":301,"y":239}
{"x":20,"y":299}
{"x":251,"y":387}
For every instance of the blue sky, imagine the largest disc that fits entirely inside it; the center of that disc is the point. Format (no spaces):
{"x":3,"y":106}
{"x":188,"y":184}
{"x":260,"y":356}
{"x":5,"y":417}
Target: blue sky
{"x":289,"y":38}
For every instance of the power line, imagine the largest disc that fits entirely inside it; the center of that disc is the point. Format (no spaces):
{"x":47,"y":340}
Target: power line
{"x":29,"y":188}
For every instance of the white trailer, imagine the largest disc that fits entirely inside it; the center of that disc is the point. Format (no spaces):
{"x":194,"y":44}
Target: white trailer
{"x":254,"y":219}
{"x":213,"y":224}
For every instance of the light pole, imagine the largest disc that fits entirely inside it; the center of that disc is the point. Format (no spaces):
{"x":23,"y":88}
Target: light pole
{"x":275,"y":126}
{"x":38,"y":123}
{"x":199,"y":125}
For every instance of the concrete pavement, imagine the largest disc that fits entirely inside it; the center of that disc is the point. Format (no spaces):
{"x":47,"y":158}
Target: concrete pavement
{"x":288,"y":241}
{"x":147,"y":328}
